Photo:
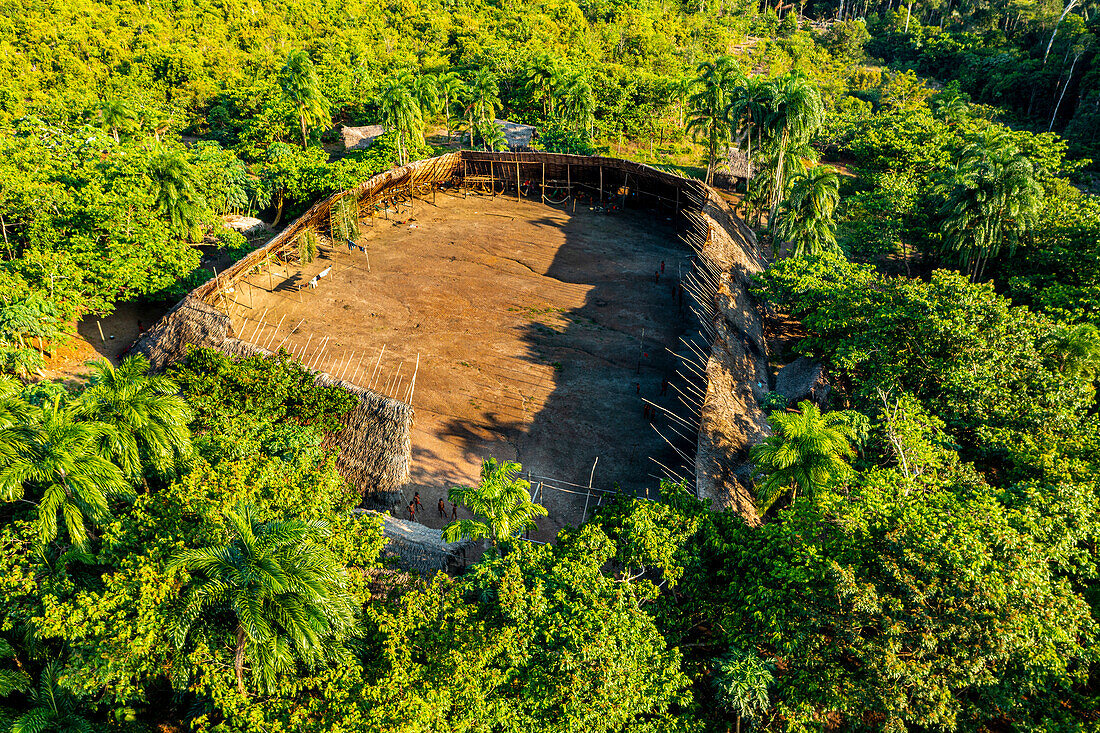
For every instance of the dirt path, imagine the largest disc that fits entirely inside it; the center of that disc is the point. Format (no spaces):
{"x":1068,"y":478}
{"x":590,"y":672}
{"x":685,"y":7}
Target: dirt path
{"x":528,"y":323}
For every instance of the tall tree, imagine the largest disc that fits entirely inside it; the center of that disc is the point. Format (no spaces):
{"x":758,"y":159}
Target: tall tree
{"x":501,"y":503}
{"x":450,"y":90}
{"x":807,"y":219}
{"x":742,"y":683}
{"x":482,"y":99}
{"x":301,"y":88}
{"x":995,"y":199}
{"x":578,"y":102}
{"x":116,"y":116}
{"x":425,"y":88}
{"x":285,"y":591}
{"x":149,"y":417}
{"x":806,"y":450}
{"x":796,"y":113}
{"x":708,"y":105}
{"x":53,"y":708}
{"x":401,"y":113}
{"x":177,"y":197}
{"x":748,"y":107}
{"x":62,"y":464}
{"x":542,"y":79}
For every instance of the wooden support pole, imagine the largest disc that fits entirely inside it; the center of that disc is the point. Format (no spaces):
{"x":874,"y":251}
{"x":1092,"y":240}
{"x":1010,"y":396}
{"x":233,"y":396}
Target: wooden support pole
{"x":276,"y":331}
{"x":376,"y":366}
{"x":463,"y":178}
{"x":543,"y":189}
{"x":289,"y":334}
{"x":356,"y":375}
{"x":517,"y":179}
{"x":600,"y":202}
{"x":412,"y":384}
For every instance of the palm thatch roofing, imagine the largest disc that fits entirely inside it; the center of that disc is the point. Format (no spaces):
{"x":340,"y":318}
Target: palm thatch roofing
{"x":373,"y":446}
{"x":360,"y":138}
{"x":740,"y":164}
{"x":517,"y":134}
{"x":415,"y":546}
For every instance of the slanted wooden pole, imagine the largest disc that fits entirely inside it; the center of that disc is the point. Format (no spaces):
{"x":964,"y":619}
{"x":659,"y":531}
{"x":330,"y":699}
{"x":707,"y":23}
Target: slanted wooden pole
{"x":376,"y":366}
{"x":100,"y":327}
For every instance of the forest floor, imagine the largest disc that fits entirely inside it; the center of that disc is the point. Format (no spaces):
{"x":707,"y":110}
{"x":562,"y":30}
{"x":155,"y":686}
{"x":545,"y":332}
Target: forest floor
{"x":528,"y":324}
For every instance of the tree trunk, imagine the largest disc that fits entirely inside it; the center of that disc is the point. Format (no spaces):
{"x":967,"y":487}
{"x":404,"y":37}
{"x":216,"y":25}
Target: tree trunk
{"x":302,"y":119}
{"x":471,"y":127}
{"x":1069,"y":6}
{"x":238,"y":660}
{"x":1063,"y":94}
{"x":278,"y":207}
{"x":777,"y":194}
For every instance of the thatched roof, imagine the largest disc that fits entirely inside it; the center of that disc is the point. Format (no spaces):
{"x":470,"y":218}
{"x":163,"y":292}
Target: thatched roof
{"x":373,"y":448}
{"x":361,"y":138}
{"x":517,"y":134}
{"x":190,"y":323}
{"x":740,"y":165}
{"x":421,"y":548}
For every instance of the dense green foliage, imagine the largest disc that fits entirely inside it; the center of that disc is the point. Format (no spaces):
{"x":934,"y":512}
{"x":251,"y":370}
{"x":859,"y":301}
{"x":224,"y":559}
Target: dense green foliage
{"x":179,"y":552}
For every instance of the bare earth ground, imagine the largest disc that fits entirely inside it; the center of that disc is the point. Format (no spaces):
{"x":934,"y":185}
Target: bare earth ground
{"x":528,"y":323}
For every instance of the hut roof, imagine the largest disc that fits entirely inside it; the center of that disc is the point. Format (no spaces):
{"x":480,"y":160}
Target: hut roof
{"x":740,"y":165}
{"x":418,"y":547}
{"x":361,"y":138}
{"x":517,"y":134}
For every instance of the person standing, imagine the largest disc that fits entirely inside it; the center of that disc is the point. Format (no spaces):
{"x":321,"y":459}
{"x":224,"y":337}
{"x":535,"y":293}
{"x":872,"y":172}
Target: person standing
{"x":416,"y":502}
{"x":454,"y":510}
{"x":412,"y":511}
{"x":442,"y":509}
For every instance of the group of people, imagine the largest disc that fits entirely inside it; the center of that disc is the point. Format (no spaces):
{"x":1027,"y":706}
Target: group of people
{"x":415,"y":506}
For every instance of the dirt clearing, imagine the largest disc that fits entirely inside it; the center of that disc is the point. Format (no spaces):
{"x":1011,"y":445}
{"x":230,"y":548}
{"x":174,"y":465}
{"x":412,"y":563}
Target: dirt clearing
{"x":539,"y":331}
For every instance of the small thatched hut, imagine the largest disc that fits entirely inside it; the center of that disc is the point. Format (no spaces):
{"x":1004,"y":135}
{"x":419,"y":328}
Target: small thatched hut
{"x":421,"y":548}
{"x":740,"y":165}
{"x":360,"y":138}
{"x":517,"y":134}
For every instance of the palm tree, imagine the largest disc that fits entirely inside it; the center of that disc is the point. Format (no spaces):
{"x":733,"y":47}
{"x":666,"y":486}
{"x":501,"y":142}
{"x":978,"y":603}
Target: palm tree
{"x":52,"y":707}
{"x":578,"y":102}
{"x":995,"y":199}
{"x":116,"y":116}
{"x":501,"y":504}
{"x":287,"y":593}
{"x":1077,"y":349}
{"x":708,"y":103}
{"x":425,"y":89}
{"x":401,"y":113}
{"x":450,"y":89}
{"x":302,"y":89}
{"x":11,"y":680}
{"x":796,"y":113}
{"x":807,"y":219}
{"x":543,"y":77}
{"x":749,"y":106}
{"x":174,"y":181}
{"x":149,"y":417}
{"x":61,"y":461}
{"x":742,"y":683}
{"x":14,"y":410}
{"x":805,"y":451}
{"x":482,"y":99}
